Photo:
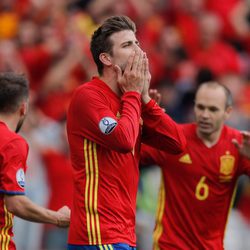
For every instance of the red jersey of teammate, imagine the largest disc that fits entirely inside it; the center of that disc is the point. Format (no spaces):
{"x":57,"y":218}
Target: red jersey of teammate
{"x":13,"y":156}
{"x":196,"y":191}
{"x":104,"y":137}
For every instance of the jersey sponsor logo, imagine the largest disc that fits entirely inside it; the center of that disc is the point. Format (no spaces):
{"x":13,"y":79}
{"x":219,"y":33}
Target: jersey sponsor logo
{"x":20,"y":177}
{"x":107,"y":125}
{"x":226,"y":167}
{"x":186,"y":159}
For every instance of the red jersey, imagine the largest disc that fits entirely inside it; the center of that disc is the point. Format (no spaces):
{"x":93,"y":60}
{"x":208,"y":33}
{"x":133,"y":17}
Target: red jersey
{"x":13,"y":156}
{"x":104,"y":137}
{"x":196,"y":191}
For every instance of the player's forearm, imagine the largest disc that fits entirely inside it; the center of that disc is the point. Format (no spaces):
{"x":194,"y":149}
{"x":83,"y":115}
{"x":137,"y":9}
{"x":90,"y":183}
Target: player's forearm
{"x":128,"y":125}
{"x":160,"y":130}
{"x":125,"y":132}
{"x":22,"y":207}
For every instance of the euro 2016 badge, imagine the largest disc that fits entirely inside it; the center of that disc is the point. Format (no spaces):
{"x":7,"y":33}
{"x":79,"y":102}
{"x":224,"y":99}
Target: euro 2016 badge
{"x":107,"y":125}
{"x":20,"y":177}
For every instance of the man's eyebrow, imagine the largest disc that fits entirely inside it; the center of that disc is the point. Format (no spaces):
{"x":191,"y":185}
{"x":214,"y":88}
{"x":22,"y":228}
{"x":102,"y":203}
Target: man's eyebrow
{"x":204,"y":106}
{"x":127,"y":42}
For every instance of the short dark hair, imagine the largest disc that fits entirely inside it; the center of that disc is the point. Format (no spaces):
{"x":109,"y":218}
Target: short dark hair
{"x":228,"y":94}
{"x":14,"y":88}
{"x":100,"y":41}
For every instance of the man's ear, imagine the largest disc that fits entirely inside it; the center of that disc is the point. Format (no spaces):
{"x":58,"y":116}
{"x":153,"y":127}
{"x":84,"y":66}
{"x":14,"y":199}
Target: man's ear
{"x":105,"y":59}
{"x":228,"y":112}
{"x":24,"y":108}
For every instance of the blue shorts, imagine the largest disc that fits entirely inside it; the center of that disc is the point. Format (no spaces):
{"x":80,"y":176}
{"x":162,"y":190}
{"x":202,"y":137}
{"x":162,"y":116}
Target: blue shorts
{"x":117,"y":246}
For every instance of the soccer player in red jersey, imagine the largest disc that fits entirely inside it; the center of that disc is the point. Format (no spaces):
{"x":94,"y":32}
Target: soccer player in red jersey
{"x":198,"y":184}
{"x":104,"y":126}
{"x":13,"y":155}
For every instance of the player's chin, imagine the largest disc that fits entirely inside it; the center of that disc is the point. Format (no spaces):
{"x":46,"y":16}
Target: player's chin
{"x":205,"y":129}
{"x":204,"y":125}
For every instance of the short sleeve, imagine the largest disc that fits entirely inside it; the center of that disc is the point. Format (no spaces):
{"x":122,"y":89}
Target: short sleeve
{"x":13,"y":167}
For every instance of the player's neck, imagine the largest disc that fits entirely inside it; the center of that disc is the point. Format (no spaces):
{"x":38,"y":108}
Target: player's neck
{"x":209,"y":139}
{"x":10,"y":120}
{"x":110,"y":78}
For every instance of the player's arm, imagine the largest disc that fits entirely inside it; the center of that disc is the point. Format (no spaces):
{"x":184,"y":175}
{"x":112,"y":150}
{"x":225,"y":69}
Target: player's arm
{"x":97,"y":121}
{"x":131,"y":83}
{"x":13,"y":157}
{"x":241,"y":141}
{"x":23,"y":207}
{"x":160,"y":131}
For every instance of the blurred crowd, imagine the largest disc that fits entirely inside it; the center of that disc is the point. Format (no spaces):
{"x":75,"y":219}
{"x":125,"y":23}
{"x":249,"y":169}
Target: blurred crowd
{"x":187,"y":42}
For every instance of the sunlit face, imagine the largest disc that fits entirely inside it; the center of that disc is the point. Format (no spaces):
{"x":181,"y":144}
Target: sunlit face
{"x":210,"y":110}
{"x":124,"y":42}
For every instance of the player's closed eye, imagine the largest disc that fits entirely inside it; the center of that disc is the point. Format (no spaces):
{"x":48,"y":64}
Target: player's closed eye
{"x":200,"y":107}
{"x":213,"y":109}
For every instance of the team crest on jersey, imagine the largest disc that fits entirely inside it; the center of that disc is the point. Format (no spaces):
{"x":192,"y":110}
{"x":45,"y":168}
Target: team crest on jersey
{"x":226,"y":167}
{"x":107,"y":125}
{"x":20,"y":177}
{"x":227,"y":164}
